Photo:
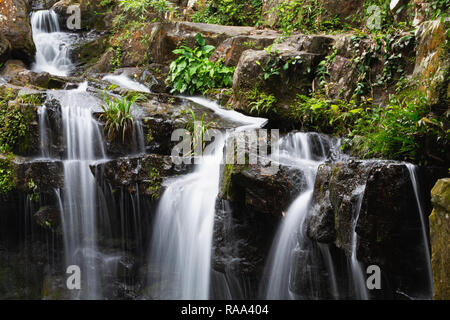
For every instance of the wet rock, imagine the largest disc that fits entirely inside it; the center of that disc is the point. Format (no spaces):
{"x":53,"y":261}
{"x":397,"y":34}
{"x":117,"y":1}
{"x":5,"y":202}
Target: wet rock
{"x":15,"y":26}
{"x":140,"y":174}
{"x":48,"y":217}
{"x":5,"y":49}
{"x":250,"y":207}
{"x":389,"y":227}
{"x":440,"y":238}
{"x":90,"y":19}
{"x":231,"y":49}
{"x":46,"y":175}
{"x":433,"y":61}
{"x":295,"y":61}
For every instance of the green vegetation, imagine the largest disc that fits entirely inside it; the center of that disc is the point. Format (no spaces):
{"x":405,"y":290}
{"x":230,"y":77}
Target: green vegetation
{"x":230,"y":12}
{"x":261,"y":102}
{"x":7,"y":174}
{"x":193,"y":72}
{"x":304,"y":16}
{"x":16,"y":113}
{"x":199,"y":130}
{"x":155,"y":183}
{"x":117,"y":117}
{"x":140,"y":8}
{"x":404,"y":129}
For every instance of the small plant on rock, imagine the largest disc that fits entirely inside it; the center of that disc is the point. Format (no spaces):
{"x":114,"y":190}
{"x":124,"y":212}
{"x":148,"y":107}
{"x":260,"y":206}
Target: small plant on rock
{"x":117,"y":117}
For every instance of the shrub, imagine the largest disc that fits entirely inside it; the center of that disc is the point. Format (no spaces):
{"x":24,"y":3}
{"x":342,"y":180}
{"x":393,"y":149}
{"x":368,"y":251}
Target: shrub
{"x":193,"y":72}
{"x":117,"y":117}
{"x":230,"y":12}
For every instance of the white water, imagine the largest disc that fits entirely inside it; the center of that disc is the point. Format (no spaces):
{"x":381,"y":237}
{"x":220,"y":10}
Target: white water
{"x":295,"y":150}
{"x":52,"y":50}
{"x":125,"y":82}
{"x":84,"y":142}
{"x":412,"y":174}
{"x":359,"y":283}
{"x":182,"y":234}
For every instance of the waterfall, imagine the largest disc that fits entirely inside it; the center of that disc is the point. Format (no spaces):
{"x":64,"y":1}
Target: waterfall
{"x":123,"y":81}
{"x":78,"y":205}
{"x":182,"y":238}
{"x":412,"y":174}
{"x":359,"y":283}
{"x":52,"y":45}
{"x":296,"y":150}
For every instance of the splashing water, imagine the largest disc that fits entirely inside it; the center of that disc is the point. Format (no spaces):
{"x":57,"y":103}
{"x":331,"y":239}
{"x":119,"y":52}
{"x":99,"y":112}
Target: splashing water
{"x":52,"y":45}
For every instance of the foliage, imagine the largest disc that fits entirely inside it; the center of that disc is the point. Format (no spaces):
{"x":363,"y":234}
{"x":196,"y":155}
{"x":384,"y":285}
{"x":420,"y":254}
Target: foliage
{"x":261,"y":102}
{"x":7,"y":175}
{"x":141,"y":7}
{"x":230,"y":12}
{"x":276,"y":63}
{"x":117,"y":117}
{"x":193,"y":72}
{"x":199,"y":129}
{"x":304,"y":16}
{"x":440,"y":8}
{"x":15,"y":118}
{"x":404,"y":129}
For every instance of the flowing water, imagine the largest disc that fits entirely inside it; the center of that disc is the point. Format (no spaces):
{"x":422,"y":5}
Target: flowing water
{"x":426,"y":245}
{"x":295,"y":149}
{"x":182,"y":237}
{"x":181,"y":244}
{"x":52,"y":45}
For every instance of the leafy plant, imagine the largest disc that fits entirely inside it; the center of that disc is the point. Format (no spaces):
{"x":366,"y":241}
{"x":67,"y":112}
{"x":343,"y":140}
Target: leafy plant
{"x":193,"y":72}
{"x":199,"y":129}
{"x":7,"y":176}
{"x":261,"y":102}
{"x":230,"y":12}
{"x":117,"y":117}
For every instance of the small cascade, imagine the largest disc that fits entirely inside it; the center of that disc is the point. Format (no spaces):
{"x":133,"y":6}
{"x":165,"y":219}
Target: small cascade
{"x":358,"y":280}
{"x":124,"y":81}
{"x":297,"y":150}
{"x":52,"y":45}
{"x":78,"y":201}
{"x":182,"y":237}
{"x":426,"y":245}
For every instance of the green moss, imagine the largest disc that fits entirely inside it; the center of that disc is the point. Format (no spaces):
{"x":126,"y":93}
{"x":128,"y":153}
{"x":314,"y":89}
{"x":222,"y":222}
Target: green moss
{"x":154,"y":185}
{"x":16,"y":115}
{"x":7,"y":175}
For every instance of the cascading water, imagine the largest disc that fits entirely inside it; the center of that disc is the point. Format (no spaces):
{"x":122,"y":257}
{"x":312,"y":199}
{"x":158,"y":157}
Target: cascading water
{"x":359,"y":284}
{"x":84,"y":143}
{"x":427,"y":256}
{"x":182,"y":237}
{"x":52,"y":45}
{"x":295,"y":150}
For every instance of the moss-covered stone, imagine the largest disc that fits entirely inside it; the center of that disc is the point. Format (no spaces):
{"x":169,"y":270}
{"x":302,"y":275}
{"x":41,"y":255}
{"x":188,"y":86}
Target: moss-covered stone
{"x":440,"y":238}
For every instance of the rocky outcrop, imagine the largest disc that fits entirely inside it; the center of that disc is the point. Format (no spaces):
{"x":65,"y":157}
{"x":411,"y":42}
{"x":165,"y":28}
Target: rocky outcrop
{"x":5,"y":49}
{"x":389,"y":227}
{"x":141,"y":174}
{"x":248,"y":211}
{"x":15,"y":26}
{"x":440,"y":238}
{"x":156,"y":41}
{"x":286,"y":70}
{"x":231,"y":49}
{"x":432,"y":67}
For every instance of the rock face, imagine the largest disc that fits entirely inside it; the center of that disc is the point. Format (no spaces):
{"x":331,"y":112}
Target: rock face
{"x":440,"y":238}
{"x":142,"y":174}
{"x":231,"y":49}
{"x":156,"y":41}
{"x":389,"y":229}
{"x":15,"y":26}
{"x":5,"y":49}
{"x":294,"y":61}
{"x":248,"y":212}
{"x":433,"y":61}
